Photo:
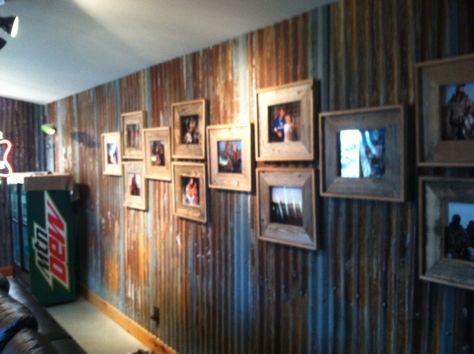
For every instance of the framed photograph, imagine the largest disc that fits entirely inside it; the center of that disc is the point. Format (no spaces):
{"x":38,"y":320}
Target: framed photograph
{"x":189,"y":129}
{"x":363,"y":153}
{"x":230,"y":159}
{"x":447,"y":230}
{"x":136,"y":195}
{"x":111,"y":154}
{"x":157,"y":153}
{"x":133,"y":124}
{"x":190,"y":193}
{"x":285,"y":130}
{"x":445,"y":112}
{"x":287,"y":207}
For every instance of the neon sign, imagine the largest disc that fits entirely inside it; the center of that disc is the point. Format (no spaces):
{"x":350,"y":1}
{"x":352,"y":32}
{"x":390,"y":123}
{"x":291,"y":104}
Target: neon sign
{"x":5,"y":149}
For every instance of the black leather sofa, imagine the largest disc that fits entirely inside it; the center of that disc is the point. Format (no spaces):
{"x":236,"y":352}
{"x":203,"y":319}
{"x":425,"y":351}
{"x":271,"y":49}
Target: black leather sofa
{"x":26,"y":327}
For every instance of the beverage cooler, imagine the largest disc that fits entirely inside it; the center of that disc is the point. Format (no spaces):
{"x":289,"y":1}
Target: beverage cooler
{"x":51,"y":236}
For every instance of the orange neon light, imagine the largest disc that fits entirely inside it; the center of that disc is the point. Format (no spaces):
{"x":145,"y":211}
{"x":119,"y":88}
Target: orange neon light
{"x":4,"y":164}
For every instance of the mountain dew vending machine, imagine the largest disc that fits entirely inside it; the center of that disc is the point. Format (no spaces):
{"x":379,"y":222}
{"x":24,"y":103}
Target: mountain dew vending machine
{"x":51,"y":234}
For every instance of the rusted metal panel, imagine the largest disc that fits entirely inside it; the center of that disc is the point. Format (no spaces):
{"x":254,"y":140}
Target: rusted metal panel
{"x":20,"y":123}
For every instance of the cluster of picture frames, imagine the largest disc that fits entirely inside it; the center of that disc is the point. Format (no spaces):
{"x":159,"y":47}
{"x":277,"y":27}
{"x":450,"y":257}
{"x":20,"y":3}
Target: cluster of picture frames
{"x":362,"y":155}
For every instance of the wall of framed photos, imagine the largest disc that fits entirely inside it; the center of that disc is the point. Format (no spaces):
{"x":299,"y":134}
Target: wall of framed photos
{"x":218,"y":287}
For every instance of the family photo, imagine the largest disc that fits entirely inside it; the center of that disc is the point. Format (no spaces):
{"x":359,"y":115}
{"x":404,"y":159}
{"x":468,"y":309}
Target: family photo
{"x":135,"y":184}
{"x":230,"y":156}
{"x":458,"y":107}
{"x":287,"y":205}
{"x":190,"y":129}
{"x":112,"y":153}
{"x":459,"y":234}
{"x":133,"y":135}
{"x":362,"y":153}
{"x":157,"y":153}
{"x":190,"y":188}
{"x":285,"y":119}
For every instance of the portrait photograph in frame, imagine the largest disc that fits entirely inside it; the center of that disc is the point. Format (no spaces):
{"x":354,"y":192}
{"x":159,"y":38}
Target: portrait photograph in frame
{"x":230,"y":159}
{"x":190,"y":191}
{"x":132,"y":125}
{"x":446,"y":230}
{"x":111,"y":154}
{"x":285,"y":129}
{"x":157,"y":153}
{"x":189,"y":129}
{"x":363,"y":153}
{"x":136,"y":194}
{"x":445,"y":112}
{"x":287,"y":206}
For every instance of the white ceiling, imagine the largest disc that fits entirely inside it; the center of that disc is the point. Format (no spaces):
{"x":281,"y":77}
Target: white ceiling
{"x":67,"y":46}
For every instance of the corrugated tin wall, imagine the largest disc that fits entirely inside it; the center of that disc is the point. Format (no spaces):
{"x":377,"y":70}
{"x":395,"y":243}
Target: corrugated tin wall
{"x":219,"y":289}
{"x":19,"y":122}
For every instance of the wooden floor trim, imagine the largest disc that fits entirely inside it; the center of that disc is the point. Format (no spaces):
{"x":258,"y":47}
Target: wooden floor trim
{"x":7,"y":271}
{"x":139,"y":332}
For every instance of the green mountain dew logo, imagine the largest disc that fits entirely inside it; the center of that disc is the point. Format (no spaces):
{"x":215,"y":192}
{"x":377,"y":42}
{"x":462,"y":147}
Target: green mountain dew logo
{"x":50,"y":246}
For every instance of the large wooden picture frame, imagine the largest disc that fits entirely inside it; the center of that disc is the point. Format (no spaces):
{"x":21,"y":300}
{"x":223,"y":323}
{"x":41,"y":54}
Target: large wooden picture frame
{"x":445,"y":112}
{"x":135,"y":185}
{"x":111,"y":154}
{"x":190,"y":191}
{"x":446,"y":230}
{"x":287,"y":206}
{"x":230,"y":159}
{"x":132,"y":126}
{"x":157,"y":153}
{"x":285,"y":129}
{"x":189,"y":129}
{"x":363,"y":153}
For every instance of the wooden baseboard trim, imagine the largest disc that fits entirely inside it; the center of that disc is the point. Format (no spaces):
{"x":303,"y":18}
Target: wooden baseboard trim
{"x":7,"y":271}
{"x":140,"y":333}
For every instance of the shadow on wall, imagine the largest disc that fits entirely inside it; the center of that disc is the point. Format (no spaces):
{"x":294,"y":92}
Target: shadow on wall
{"x":81,"y":222}
{"x":85,"y":139}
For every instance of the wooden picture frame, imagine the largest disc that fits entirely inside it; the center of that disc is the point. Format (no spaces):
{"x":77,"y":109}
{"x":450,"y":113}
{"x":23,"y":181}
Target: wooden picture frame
{"x":287,"y":206}
{"x":285,"y":128}
{"x":230,"y":157}
{"x":445,"y":123}
{"x":132,"y":126}
{"x":157,"y":153}
{"x":189,"y":129}
{"x":135,"y":185}
{"x":111,"y":154}
{"x":446,"y":244}
{"x":190,"y":191}
{"x":363,"y":153}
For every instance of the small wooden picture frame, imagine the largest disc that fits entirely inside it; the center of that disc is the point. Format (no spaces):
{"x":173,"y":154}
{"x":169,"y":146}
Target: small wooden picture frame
{"x":285,"y":129}
{"x":189,"y":129}
{"x":136,"y":194}
{"x":133,"y":124}
{"x":111,"y":154}
{"x":190,"y":191}
{"x":230,"y":159}
{"x":157,"y":153}
{"x":287,"y":207}
{"x":445,"y":112}
{"x":363,"y":153}
{"x":446,"y":231}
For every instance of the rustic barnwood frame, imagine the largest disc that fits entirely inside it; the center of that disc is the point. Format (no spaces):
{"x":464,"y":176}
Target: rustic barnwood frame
{"x":130,"y":169}
{"x":181,"y":150}
{"x":112,"y":169}
{"x":303,"y":148}
{"x":434,"y":195}
{"x":390,"y":187}
{"x":304,"y":236}
{"x":152,"y":171}
{"x":181,"y":209}
{"x":129,"y":151}
{"x":431,"y":76}
{"x":241,"y":181}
